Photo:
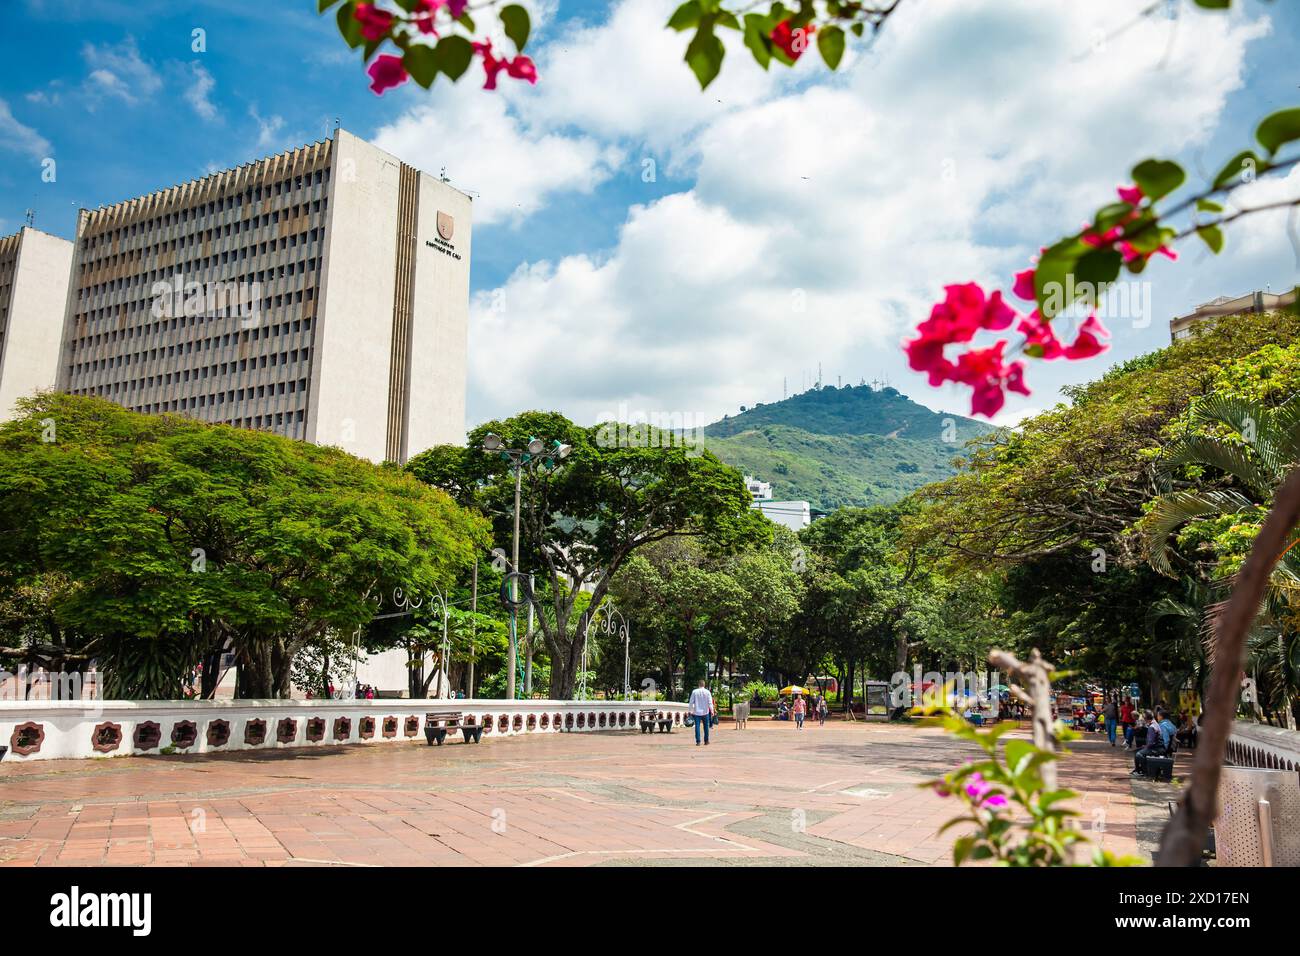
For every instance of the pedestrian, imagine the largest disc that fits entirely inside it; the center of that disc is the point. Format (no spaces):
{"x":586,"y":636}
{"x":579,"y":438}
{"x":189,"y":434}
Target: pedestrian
{"x":1111,"y":713}
{"x":1127,"y":717}
{"x":702,"y":709}
{"x":800,"y":708}
{"x":822,"y":709}
{"x":1154,"y":746}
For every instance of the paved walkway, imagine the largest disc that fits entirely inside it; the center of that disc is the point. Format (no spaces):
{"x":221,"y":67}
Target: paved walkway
{"x":844,"y":794}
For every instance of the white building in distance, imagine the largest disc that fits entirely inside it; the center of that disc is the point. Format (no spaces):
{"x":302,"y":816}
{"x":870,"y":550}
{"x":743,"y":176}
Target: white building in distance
{"x":34,"y":270}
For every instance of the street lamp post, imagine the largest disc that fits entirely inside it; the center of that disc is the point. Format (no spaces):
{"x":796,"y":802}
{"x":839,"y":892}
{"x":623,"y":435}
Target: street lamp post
{"x":536,"y":454}
{"x":445,"y":649}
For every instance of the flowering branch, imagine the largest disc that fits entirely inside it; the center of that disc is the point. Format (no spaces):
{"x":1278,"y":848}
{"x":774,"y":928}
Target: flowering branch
{"x":410,"y":25}
{"x":779,"y":34}
{"x":1014,"y":808}
{"x":1076,"y":270}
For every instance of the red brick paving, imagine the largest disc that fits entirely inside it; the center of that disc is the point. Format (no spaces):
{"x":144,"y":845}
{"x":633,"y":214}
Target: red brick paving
{"x":845,"y":793}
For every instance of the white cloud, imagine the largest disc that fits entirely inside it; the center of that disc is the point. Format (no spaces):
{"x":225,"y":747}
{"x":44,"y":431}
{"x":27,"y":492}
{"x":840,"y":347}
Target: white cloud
{"x":118,"y":71}
{"x":20,"y":138}
{"x":949,"y":152}
{"x":199,"y":93}
{"x":269,"y":129}
{"x":513,"y":170}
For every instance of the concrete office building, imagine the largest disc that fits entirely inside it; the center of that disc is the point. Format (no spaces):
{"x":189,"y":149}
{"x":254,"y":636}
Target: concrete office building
{"x":33,"y":289}
{"x":1204,"y":316}
{"x":322,"y":294}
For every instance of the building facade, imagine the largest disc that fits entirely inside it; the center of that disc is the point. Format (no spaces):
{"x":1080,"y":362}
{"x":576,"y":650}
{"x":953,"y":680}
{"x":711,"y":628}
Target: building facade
{"x":321,"y":294}
{"x":34,"y":271}
{"x":1204,"y":316}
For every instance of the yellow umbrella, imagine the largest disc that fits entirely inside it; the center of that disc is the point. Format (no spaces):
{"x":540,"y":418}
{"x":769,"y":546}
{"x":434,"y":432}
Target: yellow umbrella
{"x":793,"y":689}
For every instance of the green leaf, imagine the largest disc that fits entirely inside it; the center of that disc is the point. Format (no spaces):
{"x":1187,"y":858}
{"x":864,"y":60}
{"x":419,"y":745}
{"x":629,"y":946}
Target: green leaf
{"x":686,"y":16}
{"x":757,"y":39}
{"x":348,"y":24}
{"x":421,"y":61}
{"x":453,"y":55}
{"x":1205,"y":205}
{"x":467,"y":22}
{"x":1213,"y":237}
{"x":1158,"y":177}
{"x":1237,"y":166}
{"x":1017,"y":751}
{"x":1279,"y":129}
{"x":1214,"y":4}
{"x":517,"y":25}
{"x":1098,"y":268}
{"x":1050,"y":276}
{"x":324,"y":5}
{"x":830,"y":43}
{"x":704,"y":54}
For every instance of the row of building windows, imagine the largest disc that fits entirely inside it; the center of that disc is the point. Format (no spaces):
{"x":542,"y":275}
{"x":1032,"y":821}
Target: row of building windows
{"x":142,"y":281}
{"x":223,"y":304}
{"x":270,"y":360}
{"x":257,"y":333}
{"x":117,"y":391}
{"x":202,"y":213}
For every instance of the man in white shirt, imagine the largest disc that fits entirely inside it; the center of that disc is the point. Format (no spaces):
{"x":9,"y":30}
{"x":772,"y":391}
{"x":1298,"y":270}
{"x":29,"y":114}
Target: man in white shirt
{"x":702,"y":709}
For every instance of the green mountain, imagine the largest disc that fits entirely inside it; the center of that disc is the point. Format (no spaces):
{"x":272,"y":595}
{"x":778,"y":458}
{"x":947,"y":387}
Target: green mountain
{"x":837,"y":447}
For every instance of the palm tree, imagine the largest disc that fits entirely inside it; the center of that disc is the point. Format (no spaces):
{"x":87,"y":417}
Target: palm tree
{"x":1253,"y":447}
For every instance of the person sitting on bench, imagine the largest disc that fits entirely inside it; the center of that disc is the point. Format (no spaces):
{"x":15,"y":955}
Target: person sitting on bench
{"x":1154,"y":747}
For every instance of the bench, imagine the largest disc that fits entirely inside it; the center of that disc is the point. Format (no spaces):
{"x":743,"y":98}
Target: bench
{"x":437,"y":724}
{"x":1160,"y":768}
{"x":649,"y":719}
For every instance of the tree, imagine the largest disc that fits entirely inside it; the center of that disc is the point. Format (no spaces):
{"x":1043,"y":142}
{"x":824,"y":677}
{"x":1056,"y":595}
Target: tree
{"x":183,"y":540}
{"x":583,"y":520}
{"x":706,"y":606}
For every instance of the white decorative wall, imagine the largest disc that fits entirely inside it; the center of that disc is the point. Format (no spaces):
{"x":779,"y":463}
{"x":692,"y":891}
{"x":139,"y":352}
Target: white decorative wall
{"x":112,"y":728}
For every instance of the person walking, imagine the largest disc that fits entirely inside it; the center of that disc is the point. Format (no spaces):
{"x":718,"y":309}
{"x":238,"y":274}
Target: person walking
{"x":1127,"y":717}
{"x":701,"y":708}
{"x":1111,"y":713}
{"x":800,"y":709}
{"x":822,"y":709}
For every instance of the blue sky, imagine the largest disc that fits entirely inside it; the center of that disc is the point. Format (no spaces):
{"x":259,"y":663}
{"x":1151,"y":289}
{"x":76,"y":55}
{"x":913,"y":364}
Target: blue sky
{"x":792,"y":218}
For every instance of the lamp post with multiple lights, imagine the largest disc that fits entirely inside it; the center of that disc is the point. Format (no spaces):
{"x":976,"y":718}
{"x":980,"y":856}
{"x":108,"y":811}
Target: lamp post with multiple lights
{"x":536,"y":454}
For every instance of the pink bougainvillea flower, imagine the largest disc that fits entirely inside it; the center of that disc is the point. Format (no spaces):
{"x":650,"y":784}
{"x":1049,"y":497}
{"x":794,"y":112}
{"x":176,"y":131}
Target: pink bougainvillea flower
{"x":965,"y":311}
{"x":375,"y":23}
{"x":1016,"y":378}
{"x":791,"y":41}
{"x":977,"y":787}
{"x":386,"y":72}
{"x":981,"y":792}
{"x":997,"y":314}
{"x":1088,"y":342}
{"x":521,"y":67}
{"x":985,"y":372}
{"x":1024,"y":287}
{"x":1039,"y":335}
{"x":1130,"y":194}
{"x":457,"y":8}
{"x":926,"y":355}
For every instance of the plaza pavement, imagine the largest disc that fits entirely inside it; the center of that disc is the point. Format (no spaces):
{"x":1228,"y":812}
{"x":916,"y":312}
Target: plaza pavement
{"x":843,"y":794}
